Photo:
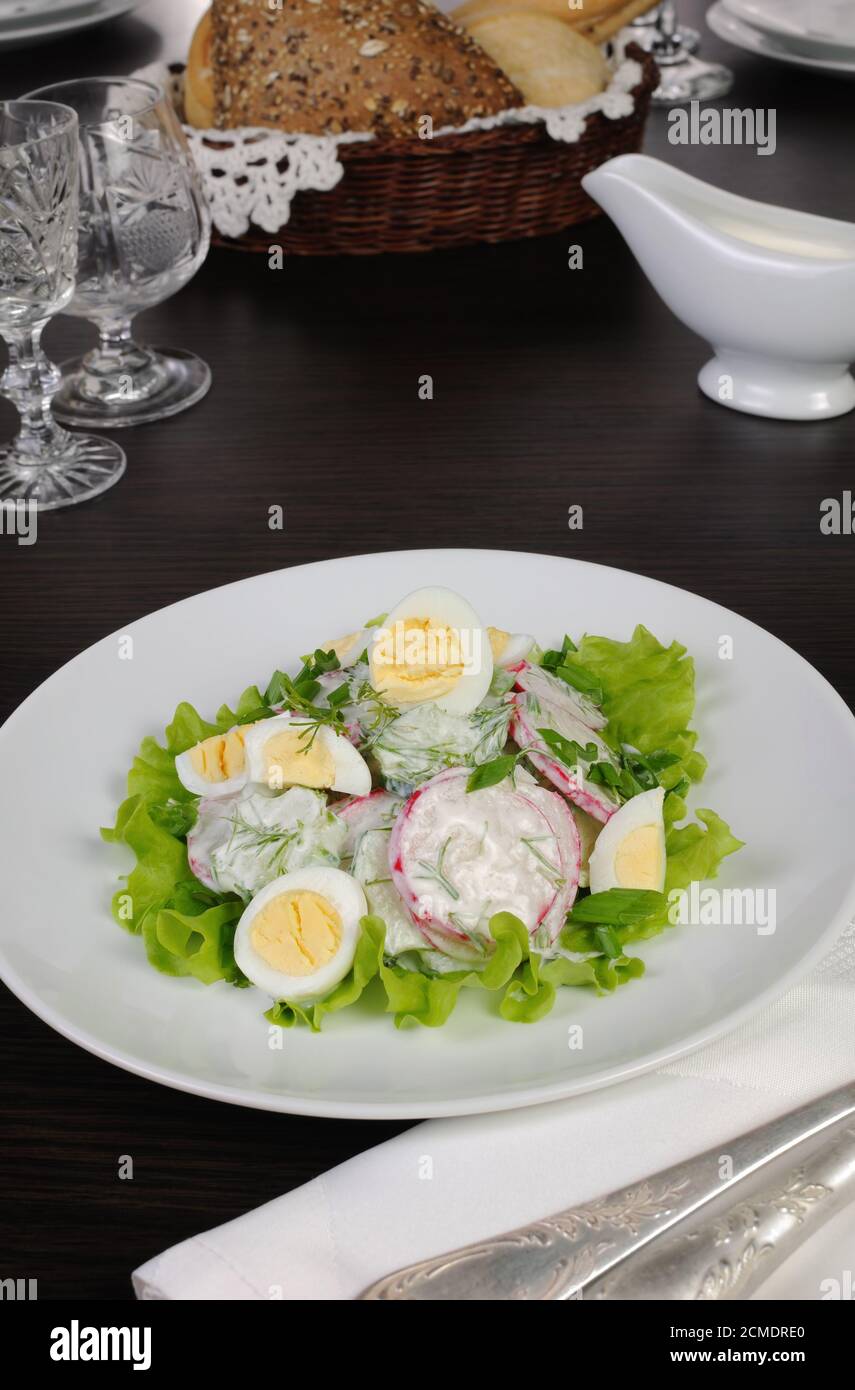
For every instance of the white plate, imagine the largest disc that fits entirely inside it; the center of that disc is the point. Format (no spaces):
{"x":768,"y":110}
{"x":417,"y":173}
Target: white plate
{"x":781,"y":746}
{"x":727,"y":26}
{"x":45,"y":24}
{"x":809,"y":24}
{"x":28,"y":11}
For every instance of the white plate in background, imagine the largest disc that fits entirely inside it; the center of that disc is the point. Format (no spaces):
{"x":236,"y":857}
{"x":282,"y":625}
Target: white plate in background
{"x":781,"y":746}
{"x":50,"y":22}
{"x":806,"y":24}
{"x":729,"y":27}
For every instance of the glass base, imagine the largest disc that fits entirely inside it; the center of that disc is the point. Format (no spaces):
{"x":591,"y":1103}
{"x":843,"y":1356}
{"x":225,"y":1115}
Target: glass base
{"x":172,"y":380}
{"x":691,"y":80}
{"x":75,"y":468}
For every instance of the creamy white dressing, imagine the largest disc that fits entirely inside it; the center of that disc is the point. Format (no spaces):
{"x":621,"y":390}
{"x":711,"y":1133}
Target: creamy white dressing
{"x":426,"y":740}
{"x":468,"y":855}
{"x":260,"y":836}
{"x":561,"y":696}
{"x":377,"y":811}
{"x":544,"y":713}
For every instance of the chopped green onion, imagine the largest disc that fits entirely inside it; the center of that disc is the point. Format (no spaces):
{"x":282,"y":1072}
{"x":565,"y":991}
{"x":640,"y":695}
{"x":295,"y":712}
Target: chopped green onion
{"x":607,"y":941}
{"x":567,"y":750}
{"x":616,"y":907}
{"x":582,"y":680}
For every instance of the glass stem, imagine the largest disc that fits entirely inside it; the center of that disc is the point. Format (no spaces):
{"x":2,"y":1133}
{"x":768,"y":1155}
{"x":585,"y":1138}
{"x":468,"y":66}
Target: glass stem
{"x":644,"y":21}
{"x":29,"y":382}
{"x":116,"y":340}
{"x":118,"y":369}
{"x":668,"y":47}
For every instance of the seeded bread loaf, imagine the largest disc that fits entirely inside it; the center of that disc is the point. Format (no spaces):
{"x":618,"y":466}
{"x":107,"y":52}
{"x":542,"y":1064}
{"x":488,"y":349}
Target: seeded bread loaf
{"x":326,"y":66}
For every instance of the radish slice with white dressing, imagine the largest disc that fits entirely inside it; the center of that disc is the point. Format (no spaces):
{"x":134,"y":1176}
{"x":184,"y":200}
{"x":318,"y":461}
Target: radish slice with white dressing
{"x":592,"y":797}
{"x":211,"y":829}
{"x":550,"y":689}
{"x":371,"y":869}
{"x":458,"y":857}
{"x":564,"y":828}
{"x":376,"y":811}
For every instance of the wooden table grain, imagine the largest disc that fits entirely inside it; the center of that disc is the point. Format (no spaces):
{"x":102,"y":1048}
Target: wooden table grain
{"x":552,"y":387}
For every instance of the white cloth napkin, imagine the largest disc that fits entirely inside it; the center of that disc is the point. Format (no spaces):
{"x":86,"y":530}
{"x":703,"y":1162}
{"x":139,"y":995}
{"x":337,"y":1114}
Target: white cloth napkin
{"x":448,"y":1182}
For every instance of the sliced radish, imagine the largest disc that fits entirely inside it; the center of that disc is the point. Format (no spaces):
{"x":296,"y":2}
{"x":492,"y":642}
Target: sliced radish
{"x":563,"y":827}
{"x":550,"y":689}
{"x":376,"y":811}
{"x":458,"y":857}
{"x":592,"y":797}
{"x":453,"y":944}
{"x":212,"y":828}
{"x":371,"y":869}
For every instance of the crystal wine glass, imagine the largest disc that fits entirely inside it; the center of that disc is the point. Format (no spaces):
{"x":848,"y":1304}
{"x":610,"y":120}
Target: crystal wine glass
{"x":144,"y":231}
{"x":683,"y":78}
{"x":44,"y":465}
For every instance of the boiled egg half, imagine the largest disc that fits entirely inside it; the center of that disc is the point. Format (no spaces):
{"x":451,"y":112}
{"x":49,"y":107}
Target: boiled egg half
{"x":509,"y":648}
{"x":348,"y":649}
{"x":298,"y":937}
{"x":288,"y":751}
{"x":432,"y":647}
{"x":630,"y":848}
{"x":217,"y":765}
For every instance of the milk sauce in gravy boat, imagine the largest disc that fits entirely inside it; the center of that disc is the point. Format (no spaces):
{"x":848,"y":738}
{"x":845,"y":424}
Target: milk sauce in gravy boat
{"x":772,"y":289}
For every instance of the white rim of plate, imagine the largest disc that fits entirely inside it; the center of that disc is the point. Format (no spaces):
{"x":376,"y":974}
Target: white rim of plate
{"x":725,"y":24}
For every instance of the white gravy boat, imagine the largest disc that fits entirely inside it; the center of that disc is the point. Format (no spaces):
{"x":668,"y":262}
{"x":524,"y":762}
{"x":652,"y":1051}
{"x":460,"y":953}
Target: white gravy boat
{"x":773,"y":290}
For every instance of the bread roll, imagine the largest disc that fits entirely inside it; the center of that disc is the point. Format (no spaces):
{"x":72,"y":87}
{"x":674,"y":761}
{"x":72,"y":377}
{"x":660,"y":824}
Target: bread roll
{"x":550,"y":63}
{"x":199,"y":77}
{"x":607,"y":25}
{"x":596,"y":19}
{"x":327,"y":66}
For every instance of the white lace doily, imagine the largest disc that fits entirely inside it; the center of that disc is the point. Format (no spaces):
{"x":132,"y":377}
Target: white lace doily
{"x":252,"y":174}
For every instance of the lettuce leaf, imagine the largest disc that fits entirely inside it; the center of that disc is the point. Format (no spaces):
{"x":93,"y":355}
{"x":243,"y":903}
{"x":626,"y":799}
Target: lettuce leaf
{"x":430,"y":999}
{"x":527,"y":985}
{"x":186,"y":928}
{"x":694,"y":852}
{"x":161,"y":864}
{"x":649,"y":701}
{"x":198,"y":944}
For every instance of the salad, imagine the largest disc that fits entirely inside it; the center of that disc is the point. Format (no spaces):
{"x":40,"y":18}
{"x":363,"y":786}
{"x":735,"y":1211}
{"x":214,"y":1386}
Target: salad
{"x":428,"y":805}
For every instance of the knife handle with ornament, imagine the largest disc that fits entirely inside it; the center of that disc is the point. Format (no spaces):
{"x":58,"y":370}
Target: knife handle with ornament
{"x":772,"y":1187}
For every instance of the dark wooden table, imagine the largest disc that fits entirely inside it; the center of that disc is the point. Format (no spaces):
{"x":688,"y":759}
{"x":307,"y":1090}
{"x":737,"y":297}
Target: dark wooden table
{"x":552,"y":387}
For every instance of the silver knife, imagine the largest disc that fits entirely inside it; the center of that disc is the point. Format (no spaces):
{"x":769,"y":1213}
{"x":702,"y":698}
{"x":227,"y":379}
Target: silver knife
{"x":713,"y":1227}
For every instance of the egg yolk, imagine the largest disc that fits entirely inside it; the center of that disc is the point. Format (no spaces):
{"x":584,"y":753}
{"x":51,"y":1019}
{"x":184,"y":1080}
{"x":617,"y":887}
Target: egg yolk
{"x":295,"y":756}
{"x":416,"y":660}
{"x":297,"y":933}
{"x":499,"y":639}
{"x":638,"y":860}
{"x":221,"y":756}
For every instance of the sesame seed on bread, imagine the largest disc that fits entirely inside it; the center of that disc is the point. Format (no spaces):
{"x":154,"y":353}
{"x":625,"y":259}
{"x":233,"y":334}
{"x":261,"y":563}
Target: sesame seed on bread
{"x":322,"y":67}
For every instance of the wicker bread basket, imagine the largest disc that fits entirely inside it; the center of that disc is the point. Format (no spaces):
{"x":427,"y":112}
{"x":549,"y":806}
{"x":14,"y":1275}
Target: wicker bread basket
{"x":501,"y":184}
